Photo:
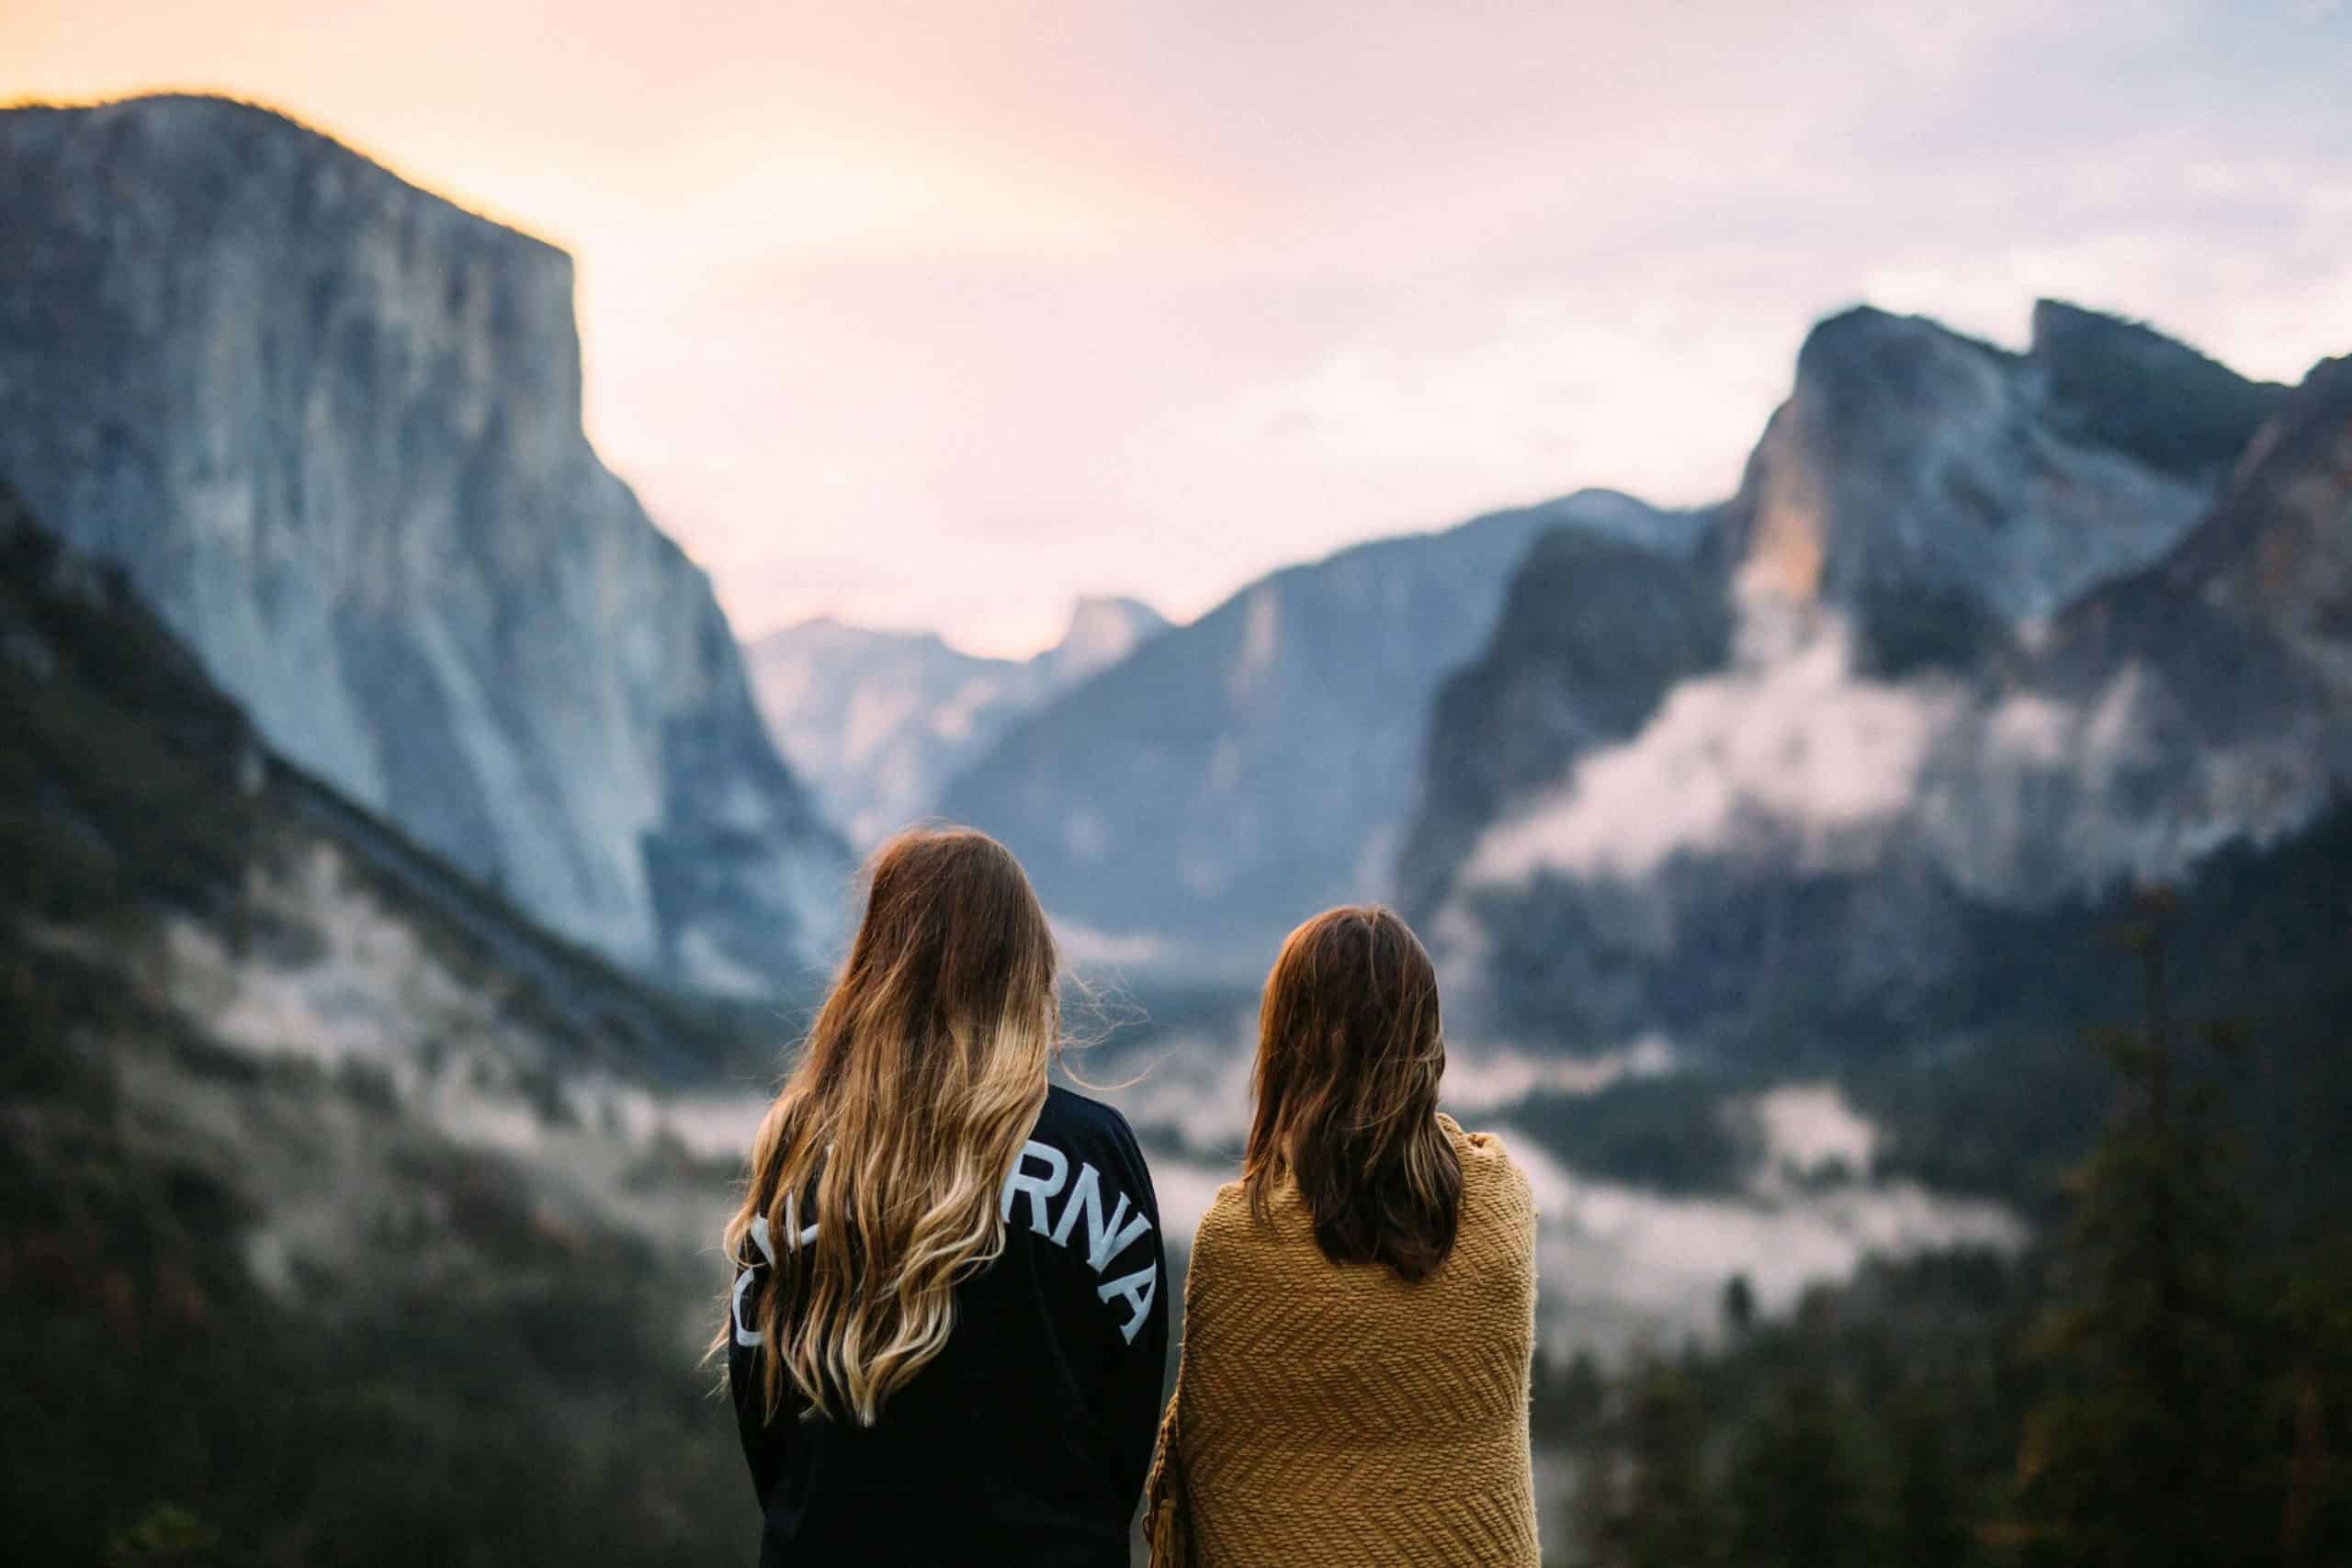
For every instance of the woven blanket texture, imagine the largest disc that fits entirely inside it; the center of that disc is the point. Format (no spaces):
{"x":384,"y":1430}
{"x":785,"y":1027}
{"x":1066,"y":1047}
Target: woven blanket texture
{"x":1334,"y":1414}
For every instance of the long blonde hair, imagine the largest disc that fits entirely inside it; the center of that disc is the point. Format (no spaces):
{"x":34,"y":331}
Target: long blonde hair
{"x":878,"y":1171}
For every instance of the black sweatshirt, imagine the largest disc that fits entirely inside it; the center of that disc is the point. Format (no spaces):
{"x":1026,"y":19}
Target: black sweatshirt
{"x":1026,"y":1439}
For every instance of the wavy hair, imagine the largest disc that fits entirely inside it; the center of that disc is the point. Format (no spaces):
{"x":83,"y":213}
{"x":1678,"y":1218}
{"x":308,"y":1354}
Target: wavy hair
{"x":1350,"y":1052}
{"x":880,"y":1168}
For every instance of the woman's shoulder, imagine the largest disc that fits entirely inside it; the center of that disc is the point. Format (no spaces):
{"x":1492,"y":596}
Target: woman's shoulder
{"x":1487,"y":1165}
{"x":1245,"y":1233}
{"x":1227,"y":1214}
{"x":1071,"y":1113}
{"x":1087,"y":1131}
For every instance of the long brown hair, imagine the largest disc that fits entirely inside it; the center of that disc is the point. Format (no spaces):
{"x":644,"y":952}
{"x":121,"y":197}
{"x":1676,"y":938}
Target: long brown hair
{"x":876,"y":1176}
{"x":1350,"y":1052}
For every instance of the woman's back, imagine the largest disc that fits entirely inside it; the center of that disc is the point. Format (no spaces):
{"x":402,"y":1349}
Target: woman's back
{"x":1026,"y":1437}
{"x":946,"y":1330}
{"x":1335,"y":1412}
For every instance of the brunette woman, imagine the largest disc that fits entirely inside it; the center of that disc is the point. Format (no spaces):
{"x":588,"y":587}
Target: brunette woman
{"x":1360,"y":1310}
{"x":947,"y":1333}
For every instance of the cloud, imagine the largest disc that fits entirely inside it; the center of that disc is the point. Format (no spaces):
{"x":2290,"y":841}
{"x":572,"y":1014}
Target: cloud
{"x":1087,"y":947}
{"x":1622,"y":1266}
{"x":1807,"y":1129}
{"x":1790,"y":763}
{"x":1480,"y":1080}
{"x":1787,"y":749}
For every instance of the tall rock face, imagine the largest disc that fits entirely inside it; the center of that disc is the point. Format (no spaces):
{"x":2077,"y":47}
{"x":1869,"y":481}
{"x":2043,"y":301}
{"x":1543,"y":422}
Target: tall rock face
{"x":1189,"y":804}
{"x":2005,"y":632}
{"x":2228,"y":666}
{"x":1937,"y":489}
{"x":2277,"y":551}
{"x":148,"y":831}
{"x":879,"y":721}
{"x":330,"y":426}
{"x":1594,"y":633}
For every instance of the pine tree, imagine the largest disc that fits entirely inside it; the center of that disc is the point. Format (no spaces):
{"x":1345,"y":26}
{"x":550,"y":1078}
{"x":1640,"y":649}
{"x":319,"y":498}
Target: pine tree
{"x":2140,"y":1455}
{"x":1564,"y":1400}
{"x":1597,"y":1519}
{"x":1670,"y":1515}
{"x":1796,"y":1497}
{"x":1583,"y":1391}
{"x":2313,"y":1398}
{"x":1642,"y":1498}
{"x":1926,"y":1514}
{"x":1739,"y":1307}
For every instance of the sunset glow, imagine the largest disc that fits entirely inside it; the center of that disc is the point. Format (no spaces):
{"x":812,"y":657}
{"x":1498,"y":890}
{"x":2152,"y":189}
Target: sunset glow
{"x":942,"y":314}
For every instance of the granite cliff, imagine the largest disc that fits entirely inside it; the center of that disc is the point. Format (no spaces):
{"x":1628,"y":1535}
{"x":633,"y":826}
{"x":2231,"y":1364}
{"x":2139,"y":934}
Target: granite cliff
{"x":1982,"y":634}
{"x":330,"y":425}
{"x":320,"y":1165}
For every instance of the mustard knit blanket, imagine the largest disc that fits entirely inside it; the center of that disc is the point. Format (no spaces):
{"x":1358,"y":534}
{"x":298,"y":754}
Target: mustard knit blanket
{"x":1332,"y":1414}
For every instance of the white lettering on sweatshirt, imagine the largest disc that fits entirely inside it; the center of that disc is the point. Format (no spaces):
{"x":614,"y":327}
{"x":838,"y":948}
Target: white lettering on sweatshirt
{"x":1107,"y":1235}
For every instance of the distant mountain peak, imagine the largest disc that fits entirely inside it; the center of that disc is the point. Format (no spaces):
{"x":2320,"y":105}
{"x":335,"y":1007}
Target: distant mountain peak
{"x":1098,"y":609}
{"x":1877,"y":347}
{"x":2122,"y":385}
{"x":1234,"y":773}
{"x":222,"y":129}
{"x":2010,"y":629}
{"x":2059,"y":327}
{"x":1103,"y":630}
{"x":1917,"y":474}
{"x":879,"y":720}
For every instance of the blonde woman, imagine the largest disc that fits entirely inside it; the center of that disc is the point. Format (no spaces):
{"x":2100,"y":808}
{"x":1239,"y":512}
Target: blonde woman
{"x":1360,"y":1309}
{"x":947,"y":1333}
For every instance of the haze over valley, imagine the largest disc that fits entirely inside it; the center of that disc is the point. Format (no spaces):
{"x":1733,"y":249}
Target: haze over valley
{"x":1750,"y":789}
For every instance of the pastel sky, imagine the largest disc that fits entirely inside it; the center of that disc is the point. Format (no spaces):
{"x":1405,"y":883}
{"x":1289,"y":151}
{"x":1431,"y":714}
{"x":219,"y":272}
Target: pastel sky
{"x":943,"y":313}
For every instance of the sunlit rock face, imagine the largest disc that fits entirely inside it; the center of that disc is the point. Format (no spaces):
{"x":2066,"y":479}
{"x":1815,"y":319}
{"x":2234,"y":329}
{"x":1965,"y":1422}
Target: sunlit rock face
{"x":879,"y":721}
{"x":1192,"y":803}
{"x":2006,"y":631}
{"x":331,"y":425}
{"x":1938,"y":490}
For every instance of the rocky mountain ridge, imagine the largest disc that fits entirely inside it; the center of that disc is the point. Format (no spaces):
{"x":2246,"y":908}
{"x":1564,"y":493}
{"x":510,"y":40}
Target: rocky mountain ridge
{"x":1186,"y":807}
{"x":879,"y":722}
{"x":1987,"y":656}
{"x":1931,"y":485}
